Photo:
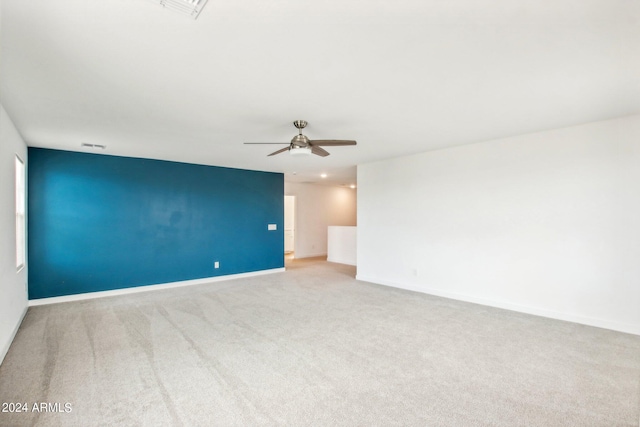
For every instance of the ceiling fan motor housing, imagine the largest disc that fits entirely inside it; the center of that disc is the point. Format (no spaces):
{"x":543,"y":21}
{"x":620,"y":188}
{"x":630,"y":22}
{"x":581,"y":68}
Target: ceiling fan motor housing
{"x":300,"y":141}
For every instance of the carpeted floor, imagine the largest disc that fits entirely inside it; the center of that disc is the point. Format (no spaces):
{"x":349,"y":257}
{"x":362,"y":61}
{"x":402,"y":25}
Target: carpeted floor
{"x":313,"y":347}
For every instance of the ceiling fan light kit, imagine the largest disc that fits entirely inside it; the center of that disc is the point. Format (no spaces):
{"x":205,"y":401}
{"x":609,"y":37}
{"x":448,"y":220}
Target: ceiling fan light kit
{"x":300,"y":151}
{"x":300,"y":145}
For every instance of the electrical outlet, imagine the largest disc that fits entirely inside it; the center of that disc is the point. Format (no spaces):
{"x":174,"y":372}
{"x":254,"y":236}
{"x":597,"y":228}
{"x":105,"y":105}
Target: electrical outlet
{"x":216,"y":264}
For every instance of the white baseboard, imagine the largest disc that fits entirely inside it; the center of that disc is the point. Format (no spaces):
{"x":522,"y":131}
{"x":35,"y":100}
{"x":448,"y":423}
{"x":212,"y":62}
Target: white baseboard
{"x":303,"y":256}
{"x":341,"y":261}
{"x":148,"y":288}
{"x":7,"y":345}
{"x":543,"y":312}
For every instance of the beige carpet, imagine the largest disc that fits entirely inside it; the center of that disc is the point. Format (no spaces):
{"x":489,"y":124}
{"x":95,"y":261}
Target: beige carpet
{"x":313,"y":347}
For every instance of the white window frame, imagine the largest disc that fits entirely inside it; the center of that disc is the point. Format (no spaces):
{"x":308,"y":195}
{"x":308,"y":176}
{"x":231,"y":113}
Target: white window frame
{"x":21,"y":221}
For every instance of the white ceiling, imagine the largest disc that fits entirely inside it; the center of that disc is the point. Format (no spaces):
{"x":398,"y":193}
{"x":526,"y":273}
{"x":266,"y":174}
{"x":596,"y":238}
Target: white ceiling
{"x":400,"y":77}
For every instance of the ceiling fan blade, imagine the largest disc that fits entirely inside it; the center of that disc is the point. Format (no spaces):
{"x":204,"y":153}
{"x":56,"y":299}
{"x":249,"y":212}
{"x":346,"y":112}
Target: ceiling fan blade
{"x":282,"y":150}
{"x":319,"y":151}
{"x":331,"y":142}
{"x":254,"y":143}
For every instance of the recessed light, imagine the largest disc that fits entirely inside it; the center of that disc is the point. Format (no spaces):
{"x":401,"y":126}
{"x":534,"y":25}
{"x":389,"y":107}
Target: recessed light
{"x":323,"y":175}
{"x":352,"y":186}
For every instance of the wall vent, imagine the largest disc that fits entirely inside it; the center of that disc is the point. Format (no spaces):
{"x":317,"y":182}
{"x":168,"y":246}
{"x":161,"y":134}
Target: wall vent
{"x":99,"y":146}
{"x":190,"y":8}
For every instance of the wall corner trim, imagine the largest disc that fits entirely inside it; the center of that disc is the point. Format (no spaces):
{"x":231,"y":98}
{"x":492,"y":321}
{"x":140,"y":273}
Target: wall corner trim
{"x":148,"y":288}
{"x":5,"y":348}
{"x":628,"y":328}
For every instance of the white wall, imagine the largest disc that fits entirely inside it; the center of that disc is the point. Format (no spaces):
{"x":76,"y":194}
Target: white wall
{"x":317,"y":207}
{"x":545,"y":223}
{"x":13,"y":296}
{"x":342,"y":245}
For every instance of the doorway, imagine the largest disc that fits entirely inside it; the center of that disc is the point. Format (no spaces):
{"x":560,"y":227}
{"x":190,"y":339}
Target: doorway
{"x":289,"y":226}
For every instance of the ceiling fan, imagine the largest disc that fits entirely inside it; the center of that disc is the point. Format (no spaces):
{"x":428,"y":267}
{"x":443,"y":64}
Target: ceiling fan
{"x":301,"y":145}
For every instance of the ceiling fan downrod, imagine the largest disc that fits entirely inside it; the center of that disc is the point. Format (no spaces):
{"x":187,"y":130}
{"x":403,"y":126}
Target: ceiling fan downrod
{"x":300,"y":140}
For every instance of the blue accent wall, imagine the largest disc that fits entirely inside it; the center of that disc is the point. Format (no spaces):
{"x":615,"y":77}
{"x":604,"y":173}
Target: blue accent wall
{"x":98,"y":222}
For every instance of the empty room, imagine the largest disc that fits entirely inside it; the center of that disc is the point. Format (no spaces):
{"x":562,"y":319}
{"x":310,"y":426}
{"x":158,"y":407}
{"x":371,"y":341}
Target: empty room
{"x":336,"y":213}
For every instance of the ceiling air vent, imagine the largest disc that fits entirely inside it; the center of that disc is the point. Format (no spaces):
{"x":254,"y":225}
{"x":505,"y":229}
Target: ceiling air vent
{"x":87,"y":145}
{"x":190,"y":8}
